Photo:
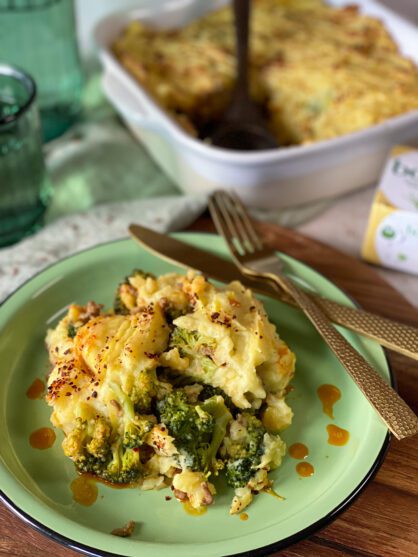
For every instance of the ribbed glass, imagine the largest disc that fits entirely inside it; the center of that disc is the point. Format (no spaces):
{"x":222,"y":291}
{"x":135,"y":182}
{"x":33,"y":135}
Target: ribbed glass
{"x":40,"y":37}
{"x":24,"y":187}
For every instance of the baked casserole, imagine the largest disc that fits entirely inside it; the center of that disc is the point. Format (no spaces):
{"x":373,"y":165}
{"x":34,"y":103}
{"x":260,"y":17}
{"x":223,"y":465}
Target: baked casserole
{"x":181,"y":381}
{"x":317,"y":71}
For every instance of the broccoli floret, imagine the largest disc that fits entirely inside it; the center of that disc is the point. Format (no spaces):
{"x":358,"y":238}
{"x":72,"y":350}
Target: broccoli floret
{"x":124,"y":466}
{"x":89,"y":444}
{"x":243,"y":449}
{"x":136,"y":432}
{"x":135,"y":427}
{"x":99,"y":444}
{"x":196,"y":346}
{"x":139,"y":273}
{"x":238,"y":472}
{"x":71,"y":330}
{"x":182,"y":418}
{"x":90,"y":447}
{"x":215,"y":406}
{"x":209,"y":391}
{"x":171,"y":312}
{"x":118,"y":306}
{"x":198,"y":430}
{"x":144,"y":391}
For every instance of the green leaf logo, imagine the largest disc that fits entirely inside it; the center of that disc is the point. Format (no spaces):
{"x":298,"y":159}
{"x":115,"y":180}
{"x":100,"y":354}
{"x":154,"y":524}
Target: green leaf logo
{"x":388,"y":232}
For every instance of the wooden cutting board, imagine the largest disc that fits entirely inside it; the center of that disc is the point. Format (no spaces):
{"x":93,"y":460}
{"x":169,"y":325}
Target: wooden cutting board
{"x":383,"y":520}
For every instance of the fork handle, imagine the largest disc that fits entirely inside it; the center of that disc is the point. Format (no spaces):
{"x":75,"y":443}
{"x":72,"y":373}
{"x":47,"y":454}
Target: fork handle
{"x":394,"y":411}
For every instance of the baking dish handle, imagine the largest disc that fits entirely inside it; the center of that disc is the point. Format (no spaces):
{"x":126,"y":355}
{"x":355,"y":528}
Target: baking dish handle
{"x":127,"y":106}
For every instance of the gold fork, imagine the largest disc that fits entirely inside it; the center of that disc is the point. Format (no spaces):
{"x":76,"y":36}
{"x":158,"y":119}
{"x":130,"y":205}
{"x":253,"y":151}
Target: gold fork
{"x":255,"y":260}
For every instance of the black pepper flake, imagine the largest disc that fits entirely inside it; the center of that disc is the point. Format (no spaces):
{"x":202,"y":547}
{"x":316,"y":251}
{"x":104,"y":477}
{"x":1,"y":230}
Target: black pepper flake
{"x":151,"y":355}
{"x":94,"y":394}
{"x":168,"y":498}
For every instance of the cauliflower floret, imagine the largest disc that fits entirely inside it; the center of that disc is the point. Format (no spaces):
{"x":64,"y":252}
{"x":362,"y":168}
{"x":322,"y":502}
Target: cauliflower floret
{"x":241,"y":500}
{"x":277,"y":415}
{"x":193,"y":487}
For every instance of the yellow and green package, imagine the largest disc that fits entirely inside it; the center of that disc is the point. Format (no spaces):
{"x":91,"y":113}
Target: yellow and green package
{"x":391,"y":238}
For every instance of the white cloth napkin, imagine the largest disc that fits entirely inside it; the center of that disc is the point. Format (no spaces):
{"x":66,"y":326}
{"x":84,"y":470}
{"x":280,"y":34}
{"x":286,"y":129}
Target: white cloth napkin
{"x":82,"y":230}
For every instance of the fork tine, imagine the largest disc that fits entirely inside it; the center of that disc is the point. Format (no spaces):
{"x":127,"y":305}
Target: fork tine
{"x":228,"y":202}
{"x":222,"y":222}
{"x":247,"y":222}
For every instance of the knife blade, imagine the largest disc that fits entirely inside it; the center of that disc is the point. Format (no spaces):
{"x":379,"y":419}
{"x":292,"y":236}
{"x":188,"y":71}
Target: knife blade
{"x":390,"y":334}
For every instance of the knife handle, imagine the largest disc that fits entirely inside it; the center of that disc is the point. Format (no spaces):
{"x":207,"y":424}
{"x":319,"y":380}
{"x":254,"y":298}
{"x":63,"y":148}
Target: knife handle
{"x":390,"y":334}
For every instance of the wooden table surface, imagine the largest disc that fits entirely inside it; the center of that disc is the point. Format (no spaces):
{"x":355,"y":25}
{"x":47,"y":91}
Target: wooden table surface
{"x":383,"y":520}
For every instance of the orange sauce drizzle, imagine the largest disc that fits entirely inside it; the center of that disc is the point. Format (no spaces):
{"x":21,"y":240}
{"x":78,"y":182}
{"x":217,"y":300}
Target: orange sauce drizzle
{"x":192,"y":511}
{"x":243,"y":516}
{"x":337,"y":436}
{"x":298,"y":450}
{"x":328,"y":395}
{"x":42,"y":438}
{"x":305,"y":469}
{"x":84,"y":490}
{"x":36,"y":389}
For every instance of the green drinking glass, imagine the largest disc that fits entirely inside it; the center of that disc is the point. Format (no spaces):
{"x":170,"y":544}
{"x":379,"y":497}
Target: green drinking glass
{"x":40,"y":37}
{"x":24,"y":186}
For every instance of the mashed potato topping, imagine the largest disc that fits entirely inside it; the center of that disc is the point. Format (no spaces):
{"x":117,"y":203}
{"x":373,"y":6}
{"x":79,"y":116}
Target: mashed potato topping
{"x":180,"y":381}
{"x":318,"y":71}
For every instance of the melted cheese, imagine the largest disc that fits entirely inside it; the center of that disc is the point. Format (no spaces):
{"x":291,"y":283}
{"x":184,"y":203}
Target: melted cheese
{"x":107,"y":349}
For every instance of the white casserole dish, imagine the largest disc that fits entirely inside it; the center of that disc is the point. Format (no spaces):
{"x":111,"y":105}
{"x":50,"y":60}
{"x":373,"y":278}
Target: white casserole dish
{"x":269,"y":179}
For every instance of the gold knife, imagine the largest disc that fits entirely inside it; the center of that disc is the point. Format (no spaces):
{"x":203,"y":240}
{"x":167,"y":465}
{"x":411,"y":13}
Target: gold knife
{"x":390,"y":334}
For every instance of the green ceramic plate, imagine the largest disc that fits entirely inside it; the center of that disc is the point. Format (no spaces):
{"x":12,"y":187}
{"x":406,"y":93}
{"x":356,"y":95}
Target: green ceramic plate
{"x":35,"y":484}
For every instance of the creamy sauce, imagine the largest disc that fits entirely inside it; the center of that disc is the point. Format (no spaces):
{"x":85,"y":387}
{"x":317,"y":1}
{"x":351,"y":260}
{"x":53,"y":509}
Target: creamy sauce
{"x":192,"y":511}
{"x":328,"y":395}
{"x":337,"y":436}
{"x":42,"y":438}
{"x":298,"y":450}
{"x":84,"y":490}
{"x":36,"y":389}
{"x":243,"y":516}
{"x":305,"y":469}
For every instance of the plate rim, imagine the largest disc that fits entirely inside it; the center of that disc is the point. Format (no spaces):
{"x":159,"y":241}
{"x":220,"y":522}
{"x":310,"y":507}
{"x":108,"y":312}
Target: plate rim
{"x":258,"y":552}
